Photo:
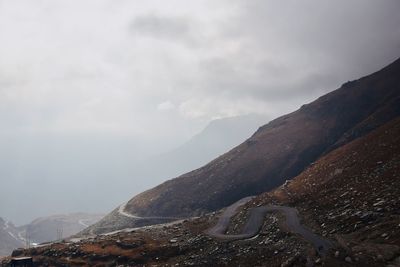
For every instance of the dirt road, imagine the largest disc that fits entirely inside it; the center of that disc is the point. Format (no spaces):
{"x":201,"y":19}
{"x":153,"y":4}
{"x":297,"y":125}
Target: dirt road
{"x":256,"y":220}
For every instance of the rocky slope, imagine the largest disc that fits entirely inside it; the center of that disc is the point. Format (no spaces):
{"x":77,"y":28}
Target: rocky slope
{"x":350,"y":196}
{"x":277,"y":152}
{"x":9,"y":239}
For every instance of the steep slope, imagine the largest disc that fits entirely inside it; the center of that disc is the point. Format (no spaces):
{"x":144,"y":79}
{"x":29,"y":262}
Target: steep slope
{"x":278,"y":151}
{"x":350,"y":196}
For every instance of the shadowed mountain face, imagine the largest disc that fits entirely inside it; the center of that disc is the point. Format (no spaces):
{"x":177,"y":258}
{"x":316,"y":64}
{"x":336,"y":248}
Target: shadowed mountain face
{"x":279,"y":150}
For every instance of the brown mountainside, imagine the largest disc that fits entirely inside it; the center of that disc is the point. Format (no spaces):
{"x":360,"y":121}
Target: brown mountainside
{"x":350,"y":196}
{"x":278,"y":151}
{"x":281,"y":149}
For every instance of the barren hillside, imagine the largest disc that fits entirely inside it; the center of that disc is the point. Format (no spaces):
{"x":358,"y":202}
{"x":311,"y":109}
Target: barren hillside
{"x":350,"y":197}
{"x":277,"y":152}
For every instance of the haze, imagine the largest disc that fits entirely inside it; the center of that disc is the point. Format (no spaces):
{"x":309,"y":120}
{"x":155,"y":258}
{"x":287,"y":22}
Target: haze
{"x":89,"y":89}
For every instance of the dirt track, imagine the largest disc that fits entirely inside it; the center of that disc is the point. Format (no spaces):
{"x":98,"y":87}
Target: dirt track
{"x":256,"y":220}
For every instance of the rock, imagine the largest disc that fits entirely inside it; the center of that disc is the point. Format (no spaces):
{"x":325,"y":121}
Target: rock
{"x":348,"y":259}
{"x":289,"y":261}
{"x":173,"y":240}
{"x":379,"y":203}
{"x":387,"y":251}
{"x":17,"y":252}
{"x":338,"y":171}
{"x":379,"y":209}
{"x":337,"y":254}
{"x":396,"y":261}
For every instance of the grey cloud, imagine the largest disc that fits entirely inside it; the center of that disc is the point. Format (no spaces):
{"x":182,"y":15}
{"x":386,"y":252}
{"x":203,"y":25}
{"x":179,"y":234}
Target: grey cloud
{"x":264,"y":81}
{"x":296,"y":49}
{"x":326,"y":33}
{"x":162,"y":27}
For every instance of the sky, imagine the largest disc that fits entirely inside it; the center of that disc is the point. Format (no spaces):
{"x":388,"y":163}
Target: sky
{"x":144,"y":76}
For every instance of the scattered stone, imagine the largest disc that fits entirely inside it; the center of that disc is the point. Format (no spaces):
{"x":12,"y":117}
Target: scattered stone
{"x":379,"y":203}
{"x":338,"y":171}
{"x":348,"y":259}
{"x":337,"y":254}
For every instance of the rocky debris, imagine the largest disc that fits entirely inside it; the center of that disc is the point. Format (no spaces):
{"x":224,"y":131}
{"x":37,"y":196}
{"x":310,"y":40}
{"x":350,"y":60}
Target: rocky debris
{"x":127,"y":244}
{"x":357,"y":209}
{"x":359,"y":206}
{"x":184,"y":244}
{"x":348,"y":259}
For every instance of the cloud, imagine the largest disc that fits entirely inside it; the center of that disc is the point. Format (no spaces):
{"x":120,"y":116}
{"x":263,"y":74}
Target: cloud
{"x":105,"y":68}
{"x":160,"y":27}
{"x":165,"y":106}
{"x":281,"y":53}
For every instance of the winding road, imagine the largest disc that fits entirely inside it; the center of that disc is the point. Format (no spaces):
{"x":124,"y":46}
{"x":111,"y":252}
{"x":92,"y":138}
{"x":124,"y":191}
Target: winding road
{"x":83,"y":222}
{"x":121,"y":211}
{"x":256,"y":220}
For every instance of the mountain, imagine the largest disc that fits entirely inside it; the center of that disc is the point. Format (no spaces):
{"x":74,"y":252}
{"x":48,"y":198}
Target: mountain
{"x":9,"y":238}
{"x":66,"y":161}
{"x":54,"y":227}
{"x":278,"y":151}
{"x":219,"y":136}
{"x":349,"y":196}
{"x":43,"y":229}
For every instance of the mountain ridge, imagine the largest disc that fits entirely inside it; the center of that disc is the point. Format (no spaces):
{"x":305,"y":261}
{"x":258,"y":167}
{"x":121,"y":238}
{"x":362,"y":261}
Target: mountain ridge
{"x":279,"y":150}
{"x":348,"y":197}
{"x":210,"y":142}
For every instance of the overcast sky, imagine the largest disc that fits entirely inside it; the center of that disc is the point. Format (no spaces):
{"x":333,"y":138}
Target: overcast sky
{"x":165,"y":68}
{"x":159,"y":71}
